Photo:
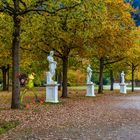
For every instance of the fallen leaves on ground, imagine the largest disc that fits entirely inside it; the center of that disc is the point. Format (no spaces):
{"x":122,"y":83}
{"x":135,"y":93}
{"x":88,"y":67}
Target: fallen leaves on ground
{"x":77,"y":117}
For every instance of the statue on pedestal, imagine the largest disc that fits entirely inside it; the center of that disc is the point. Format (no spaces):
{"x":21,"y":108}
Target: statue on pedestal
{"x":51,"y":86}
{"x":89,"y":74}
{"x":122,"y":77}
{"x":123,"y":88}
{"x":52,"y":67}
{"x":90,"y":85}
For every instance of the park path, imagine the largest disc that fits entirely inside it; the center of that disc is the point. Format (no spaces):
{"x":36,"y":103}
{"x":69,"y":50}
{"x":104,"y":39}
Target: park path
{"x":108,"y":117}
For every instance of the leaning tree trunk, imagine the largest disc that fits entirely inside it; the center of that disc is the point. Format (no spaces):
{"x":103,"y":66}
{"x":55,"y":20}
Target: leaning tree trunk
{"x":65,"y":78}
{"x":111,"y":80}
{"x":15,"y":63}
{"x":133,"y":69}
{"x":100,"y":89}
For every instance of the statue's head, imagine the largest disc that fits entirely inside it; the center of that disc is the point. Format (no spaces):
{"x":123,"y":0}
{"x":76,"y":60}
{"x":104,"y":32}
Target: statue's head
{"x":88,"y":65}
{"x":51,"y":53}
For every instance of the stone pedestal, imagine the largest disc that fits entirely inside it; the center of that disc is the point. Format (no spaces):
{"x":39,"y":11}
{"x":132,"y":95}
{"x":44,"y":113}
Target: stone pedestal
{"x":52,"y":93}
{"x":90,"y":89}
{"x":123,"y":88}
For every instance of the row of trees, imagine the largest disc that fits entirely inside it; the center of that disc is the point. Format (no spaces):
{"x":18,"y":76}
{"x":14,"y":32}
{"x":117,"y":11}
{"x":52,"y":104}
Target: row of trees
{"x":86,"y":30}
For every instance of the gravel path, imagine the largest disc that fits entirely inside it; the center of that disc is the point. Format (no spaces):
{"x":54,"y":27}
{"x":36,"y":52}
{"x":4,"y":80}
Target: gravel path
{"x":107,"y":117}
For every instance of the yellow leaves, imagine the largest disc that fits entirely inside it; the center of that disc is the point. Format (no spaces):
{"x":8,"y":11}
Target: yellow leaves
{"x":5,"y":38}
{"x":2,"y":15}
{"x":133,"y":53}
{"x":118,"y":10}
{"x":76,"y":77}
{"x":114,"y":35}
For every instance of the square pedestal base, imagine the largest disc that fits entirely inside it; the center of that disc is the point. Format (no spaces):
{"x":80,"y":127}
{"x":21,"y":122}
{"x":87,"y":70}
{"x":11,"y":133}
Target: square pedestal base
{"x":90,"y":90}
{"x":52,"y":93}
{"x":123,"y":88}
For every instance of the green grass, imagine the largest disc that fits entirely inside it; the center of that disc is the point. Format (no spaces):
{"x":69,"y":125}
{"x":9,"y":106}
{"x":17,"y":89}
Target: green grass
{"x":5,"y":126}
{"x":81,"y":87}
{"x":50,"y":103}
{"x":134,"y":86}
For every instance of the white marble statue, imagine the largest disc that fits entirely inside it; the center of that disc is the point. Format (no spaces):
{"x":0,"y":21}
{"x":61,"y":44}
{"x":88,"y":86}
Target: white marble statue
{"x":52,"y":67}
{"x":122,"y":77}
{"x":89,"y":74}
{"x":123,"y":88}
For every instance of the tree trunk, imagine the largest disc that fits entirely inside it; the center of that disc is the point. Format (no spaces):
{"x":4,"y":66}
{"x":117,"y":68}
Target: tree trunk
{"x":5,"y":80}
{"x":65,"y":78}
{"x":111,"y":80}
{"x":4,"y":70}
{"x":59,"y":80}
{"x":8,"y":77}
{"x":100,"y":89}
{"x":133,"y":69}
{"x":16,"y":62}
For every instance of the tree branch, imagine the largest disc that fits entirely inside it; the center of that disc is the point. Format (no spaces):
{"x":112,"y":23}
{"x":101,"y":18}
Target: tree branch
{"x":35,"y":10}
{"x":128,"y":64}
{"x":23,"y":3}
{"x":59,"y":54}
{"x":47,"y":52}
{"x":111,"y":62}
{"x":41,"y":9}
{"x":26,"y":49}
{"x":6,"y":7}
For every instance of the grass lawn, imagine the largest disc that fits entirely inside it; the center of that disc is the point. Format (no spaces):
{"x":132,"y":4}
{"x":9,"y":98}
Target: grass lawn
{"x":81,"y":87}
{"x":84,"y":87}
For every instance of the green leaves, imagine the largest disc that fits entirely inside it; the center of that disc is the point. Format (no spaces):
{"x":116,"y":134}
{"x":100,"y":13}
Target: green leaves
{"x":5,"y":39}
